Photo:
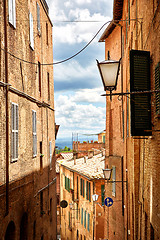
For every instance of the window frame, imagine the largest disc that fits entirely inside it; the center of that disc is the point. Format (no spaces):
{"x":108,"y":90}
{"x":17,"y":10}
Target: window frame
{"x":34,"y":132}
{"x":31,"y":31}
{"x":14,"y":130}
{"x":12,"y":12}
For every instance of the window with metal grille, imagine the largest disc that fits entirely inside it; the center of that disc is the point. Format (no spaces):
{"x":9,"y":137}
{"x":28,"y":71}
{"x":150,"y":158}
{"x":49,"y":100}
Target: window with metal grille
{"x":14,"y":140}
{"x":157,"y":87}
{"x":34,"y":131}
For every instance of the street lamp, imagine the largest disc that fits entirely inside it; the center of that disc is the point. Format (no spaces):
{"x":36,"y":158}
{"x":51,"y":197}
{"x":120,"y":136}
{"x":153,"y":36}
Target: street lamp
{"x":107,"y":173}
{"x":109,"y":70}
{"x":95,"y":197}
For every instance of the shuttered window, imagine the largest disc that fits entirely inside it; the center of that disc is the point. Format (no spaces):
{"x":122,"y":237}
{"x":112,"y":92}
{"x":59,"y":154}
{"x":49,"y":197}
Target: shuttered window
{"x":89,"y":191}
{"x":88,"y":223}
{"x":157,"y":87}
{"x":38,"y":19}
{"x":83,"y":187}
{"x":34,"y":130}
{"x":50,"y":154}
{"x":14,"y":140}
{"x":85,"y":214}
{"x":140,"y":103}
{"x":114,"y":183}
{"x":87,"y":195}
{"x":82,"y":216}
{"x":102,"y":194}
{"x":31,"y":34}
{"x":12,"y":12}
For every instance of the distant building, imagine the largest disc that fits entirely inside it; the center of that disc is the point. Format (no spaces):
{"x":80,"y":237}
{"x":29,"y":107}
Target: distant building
{"x":79,"y":180}
{"x":27,"y":127}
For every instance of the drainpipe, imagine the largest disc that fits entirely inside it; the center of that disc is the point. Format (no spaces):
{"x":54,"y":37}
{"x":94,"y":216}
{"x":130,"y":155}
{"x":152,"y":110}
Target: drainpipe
{"x":7,"y":107}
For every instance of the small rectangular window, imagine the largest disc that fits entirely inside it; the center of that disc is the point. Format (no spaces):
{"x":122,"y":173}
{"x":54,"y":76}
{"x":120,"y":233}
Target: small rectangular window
{"x":83,"y":188}
{"x":31,"y":34}
{"x":34,"y":131}
{"x":14,"y":140}
{"x":89,"y":191}
{"x":12,"y":12}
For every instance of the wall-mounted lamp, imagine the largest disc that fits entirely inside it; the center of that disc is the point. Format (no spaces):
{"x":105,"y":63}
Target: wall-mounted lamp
{"x":95,"y":197}
{"x":107,"y":173}
{"x":109,"y":71}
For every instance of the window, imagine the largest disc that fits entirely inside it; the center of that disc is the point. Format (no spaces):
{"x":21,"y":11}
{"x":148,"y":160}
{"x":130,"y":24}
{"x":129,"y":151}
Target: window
{"x":85,"y":214}
{"x":157,"y":87}
{"x":88,"y":223}
{"x":114,"y":183}
{"x":87,"y":195}
{"x":82,"y":216}
{"x":14,"y":140}
{"x":34,"y":130}
{"x":48,"y":86}
{"x":41,"y":203}
{"x":12,"y":12}
{"x":50,"y":154}
{"x":83,"y":187}
{"x":67,"y":184}
{"x":77,"y":211}
{"x":38,"y":19}
{"x":140,"y":103}
{"x":47,"y":33}
{"x":41,"y":156}
{"x":102,"y":194}
{"x":89,"y":191}
{"x":31,"y":35}
{"x":39,"y":77}
{"x":77,"y":188}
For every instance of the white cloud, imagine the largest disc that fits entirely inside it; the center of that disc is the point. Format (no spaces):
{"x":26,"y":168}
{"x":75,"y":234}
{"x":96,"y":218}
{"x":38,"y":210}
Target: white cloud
{"x":89,"y":96}
{"x":73,"y":116}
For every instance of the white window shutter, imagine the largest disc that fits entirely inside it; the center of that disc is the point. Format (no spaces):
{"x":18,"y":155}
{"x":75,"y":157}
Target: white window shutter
{"x":31,"y":30}
{"x":38,"y":18}
{"x":14,"y":140}
{"x":12,"y":12}
{"x":50,"y":154}
{"x":34,"y":130}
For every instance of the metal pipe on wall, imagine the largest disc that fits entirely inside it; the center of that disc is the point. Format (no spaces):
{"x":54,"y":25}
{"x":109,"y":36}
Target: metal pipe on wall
{"x":7,"y":105}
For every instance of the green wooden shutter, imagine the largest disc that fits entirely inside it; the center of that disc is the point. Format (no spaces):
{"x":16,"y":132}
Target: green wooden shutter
{"x":89,"y":191}
{"x":88,"y":225}
{"x":140,"y":103}
{"x":102,"y":194}
{"x":157,"y":87}
{"x":85,"y":213}
{"x":83,"y":187}
{"x":82,"y":216}
{"x":65,"y":182}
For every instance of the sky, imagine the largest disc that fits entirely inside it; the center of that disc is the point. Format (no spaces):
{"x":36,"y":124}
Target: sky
{"x":79,"y":106}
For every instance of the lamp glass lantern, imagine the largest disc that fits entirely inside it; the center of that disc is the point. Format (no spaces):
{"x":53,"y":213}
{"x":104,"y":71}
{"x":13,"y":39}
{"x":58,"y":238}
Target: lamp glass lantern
{"x":95,"y":197}
{"x":109,"y":70}
{"x":107,"y":173}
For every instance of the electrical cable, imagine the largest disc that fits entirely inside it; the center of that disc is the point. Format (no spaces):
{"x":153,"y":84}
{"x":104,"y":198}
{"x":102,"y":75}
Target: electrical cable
{"x":62,"y":61}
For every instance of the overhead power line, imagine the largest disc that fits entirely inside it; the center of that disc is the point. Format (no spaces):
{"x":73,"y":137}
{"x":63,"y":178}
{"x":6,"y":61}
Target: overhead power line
{"x":62,"y":61}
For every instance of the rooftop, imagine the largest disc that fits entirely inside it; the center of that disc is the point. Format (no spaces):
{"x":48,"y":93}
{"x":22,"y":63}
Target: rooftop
{"x":92,"y":168}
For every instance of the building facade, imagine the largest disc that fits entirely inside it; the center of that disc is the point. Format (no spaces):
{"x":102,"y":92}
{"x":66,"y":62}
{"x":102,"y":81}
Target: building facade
{"x":27,"y":127}
{"x":132,"y":121}
{"x":82,"y":218}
